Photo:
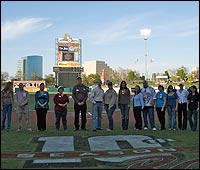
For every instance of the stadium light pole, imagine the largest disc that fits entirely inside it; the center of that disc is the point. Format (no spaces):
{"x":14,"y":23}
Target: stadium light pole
{"x":145,"y":33}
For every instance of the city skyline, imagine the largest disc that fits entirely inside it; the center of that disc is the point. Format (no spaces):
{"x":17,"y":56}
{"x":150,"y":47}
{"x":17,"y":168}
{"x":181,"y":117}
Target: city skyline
{"x":110,"y":32}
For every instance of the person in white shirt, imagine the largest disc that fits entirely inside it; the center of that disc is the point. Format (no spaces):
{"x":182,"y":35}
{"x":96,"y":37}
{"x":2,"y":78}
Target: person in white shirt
{"x":182,"y":107}
{"x":96,"y":97}
{"x":148,"y":96}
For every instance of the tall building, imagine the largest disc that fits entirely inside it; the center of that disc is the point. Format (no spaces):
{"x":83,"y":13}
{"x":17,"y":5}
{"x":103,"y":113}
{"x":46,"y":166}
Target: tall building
{"x":96,"y":67}
{"x":30,"y":67}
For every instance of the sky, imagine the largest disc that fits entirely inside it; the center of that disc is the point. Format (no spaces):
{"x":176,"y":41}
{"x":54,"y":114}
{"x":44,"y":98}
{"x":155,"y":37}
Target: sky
{"x":110,"y":32}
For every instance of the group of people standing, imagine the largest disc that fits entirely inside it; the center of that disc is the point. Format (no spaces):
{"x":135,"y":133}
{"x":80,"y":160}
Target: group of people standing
{"x":145,"y":101}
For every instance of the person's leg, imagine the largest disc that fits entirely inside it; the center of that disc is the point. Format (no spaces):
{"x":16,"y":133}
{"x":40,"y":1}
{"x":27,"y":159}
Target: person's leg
{"x":163,"y":119}
{"x":189,"y":117}
{"x":195,"y":120}
{"x":126,"y":111}
{"x":122,"y":109}
{"x":94,"y":116}
{"x":110,"y":114}
{"x":184,"y":116}
{"x":138,"y":118}
{"x":83,"y":116}
{"x":145,"y":113}
{"x":64,"y":121}
{"x":44,"y":127}
{"x":4,"y":111}
{"x":99,"y":116}
{"x":9,"y":117}
{"x":180,"y":107}
{"x":174,"y":118}
{"x":76,"y":118}
{"x":58,"y":114}
{"x":38,"y":113}
{"x":169,"y":111}
{"x":27,"y":115}
{"x":19,"y":118}
{"x":151,"y":117}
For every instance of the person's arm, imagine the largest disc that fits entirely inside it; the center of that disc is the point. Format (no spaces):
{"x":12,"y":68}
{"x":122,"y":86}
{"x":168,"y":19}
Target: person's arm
{"x":91,"y":96}
{"x":113,"y":100}
{"x":55,"y":98}
{"x":142,"y":100}
{"x":85,"y":96}
{"x":164,"y":104}
{"x":26,"y":99}
{"x":129,"y":97}
{"x":74,"y":95}
{"x":1,"y":101}
{"x":67,"y":101}
{"x":119,"y":95}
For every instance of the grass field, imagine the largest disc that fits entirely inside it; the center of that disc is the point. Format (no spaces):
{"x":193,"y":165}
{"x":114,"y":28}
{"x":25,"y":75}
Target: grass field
{"x":24,"y":142}
{"x":185,"y":142}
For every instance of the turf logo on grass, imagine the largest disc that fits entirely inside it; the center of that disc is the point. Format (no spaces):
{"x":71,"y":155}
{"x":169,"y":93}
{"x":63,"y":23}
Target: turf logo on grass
{"x":126,"y":151}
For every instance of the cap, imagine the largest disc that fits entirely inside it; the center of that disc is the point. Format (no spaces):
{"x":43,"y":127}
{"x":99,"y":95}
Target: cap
{"x":181,"y":84}
{"x":60,"y":87}
{"x":79,"y":77}
{"x":110,"y":83}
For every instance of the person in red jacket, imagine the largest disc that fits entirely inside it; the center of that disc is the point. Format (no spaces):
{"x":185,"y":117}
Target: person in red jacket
{"x":61,"y":101}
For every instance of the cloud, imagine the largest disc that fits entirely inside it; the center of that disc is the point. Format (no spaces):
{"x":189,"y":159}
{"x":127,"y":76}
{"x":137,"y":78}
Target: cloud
{"x":16,"y":28}
{"x":112,"y":32}
{"x":118,"y":30}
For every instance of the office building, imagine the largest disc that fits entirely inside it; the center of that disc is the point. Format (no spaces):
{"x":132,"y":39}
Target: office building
{"x":96,"y":67}
{"x":30,"y":67}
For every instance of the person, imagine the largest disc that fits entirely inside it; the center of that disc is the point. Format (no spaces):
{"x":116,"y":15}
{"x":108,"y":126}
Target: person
{"x":148,"y":95}
{"x":80,"y":95}
{"x":182,"y":107}
{"x":21,"y":100}
{"x":172,"y":107}
{"x":193,"y":107}
{"x":41,"y":107}
{"x":7,"y":100}
{"x":160,"y":103}
{"x":61,"y":101}
{"x":124,"y":104}
{"x":96,"y":97}
{"x":110,"y":99}
{"x":138,"y":105}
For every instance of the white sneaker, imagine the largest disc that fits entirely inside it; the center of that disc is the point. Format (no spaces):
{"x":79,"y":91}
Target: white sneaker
{"x":29,"y":129}
{"x":145,"y":128}
{"x":18,"y":130}
{"x":108,"y":129}
{"x":154,"y":129}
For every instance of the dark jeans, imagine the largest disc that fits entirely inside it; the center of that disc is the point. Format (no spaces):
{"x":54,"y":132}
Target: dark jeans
{"x":41,"y":118}
{"x":161,"y":117}
{"x":7,"y":110}
{"x":149,"y":111}
{"x":182,"y":108}
{"x":60,"y":114}
{"x":110,"y":114}
{"x":125,"y":115}
{"x":138,"y":117}
{"x":193,"y":124}
{"x":77,"y":110}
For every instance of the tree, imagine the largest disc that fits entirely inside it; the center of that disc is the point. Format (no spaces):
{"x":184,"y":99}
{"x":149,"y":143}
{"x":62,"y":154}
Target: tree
{"x":93,"y":78}
{"x":50,"y":80}
{"x":195,"y":73}
{"x":85,"y":79}
{"x":4,"y":76}
{"x":34,"y":76}
{"x":166,"y":74}
{"x":181,"y":72}
{"x":131,"y":75}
